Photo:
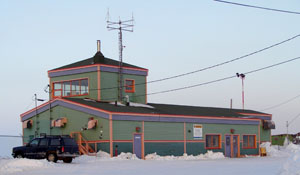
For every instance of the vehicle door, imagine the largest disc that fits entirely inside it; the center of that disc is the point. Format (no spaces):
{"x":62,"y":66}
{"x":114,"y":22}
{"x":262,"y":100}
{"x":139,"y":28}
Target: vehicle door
{"x":31,"y":149}
{"x":42,"y":148}
{"x":55,"y":144}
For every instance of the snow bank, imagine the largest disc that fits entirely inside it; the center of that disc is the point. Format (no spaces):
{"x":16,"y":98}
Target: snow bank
{"x":126,"y":156}
{"x":280,"y":151}
{"x":208,"y":155}
{"x":8,"y":166}
{"x":292,"y":165}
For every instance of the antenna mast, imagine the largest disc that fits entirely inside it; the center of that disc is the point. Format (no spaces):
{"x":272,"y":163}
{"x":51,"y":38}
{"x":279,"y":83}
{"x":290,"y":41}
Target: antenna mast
{"x":120,"y":25}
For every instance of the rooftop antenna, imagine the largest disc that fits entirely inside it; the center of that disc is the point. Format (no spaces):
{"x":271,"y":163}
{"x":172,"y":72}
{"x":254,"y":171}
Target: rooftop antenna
{"x":126,"y":25}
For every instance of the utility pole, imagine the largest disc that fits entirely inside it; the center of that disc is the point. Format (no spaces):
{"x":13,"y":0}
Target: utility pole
{"x":49,"y":91}
{"x":242,"y":76}
{"x":120,"y":25}
{"x":36,"y":115}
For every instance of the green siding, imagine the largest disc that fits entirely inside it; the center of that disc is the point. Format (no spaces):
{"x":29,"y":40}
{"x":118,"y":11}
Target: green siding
{"x":163,"y":131}
{"x":92,"y":78}
{"x":163,"y":149}
{"x":122,"y":147}
{"x":123,"y":130}
{"x":76,"y":121}
{"x":265,"y":135}
{"x":109,"y":84}
{"x":221,"y":129}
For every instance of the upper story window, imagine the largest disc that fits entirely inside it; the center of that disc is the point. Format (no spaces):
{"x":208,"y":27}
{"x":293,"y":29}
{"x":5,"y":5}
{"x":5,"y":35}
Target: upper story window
{"x":71,"y":88}
{"x":129,"y":86}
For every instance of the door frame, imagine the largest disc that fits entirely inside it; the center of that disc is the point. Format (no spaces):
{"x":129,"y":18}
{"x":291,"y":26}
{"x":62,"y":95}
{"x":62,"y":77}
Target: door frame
{"x":133,"y":141}
{"x":231,"y":144}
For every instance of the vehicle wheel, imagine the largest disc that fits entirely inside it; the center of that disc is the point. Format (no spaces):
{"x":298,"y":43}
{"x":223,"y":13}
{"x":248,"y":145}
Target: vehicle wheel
{"x":51,"y":157}
{"x":67,"y":160}
{"x":19,"y":156}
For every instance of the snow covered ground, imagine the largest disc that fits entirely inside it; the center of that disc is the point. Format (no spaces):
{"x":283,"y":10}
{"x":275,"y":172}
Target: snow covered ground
{"x":284,"y":161}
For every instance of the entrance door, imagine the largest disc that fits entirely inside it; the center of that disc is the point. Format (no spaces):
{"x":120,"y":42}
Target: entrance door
{"x":232,"y":146}
{"x":235,"y":146}
{"x":137,"y":145}
{"x":228,"y":146}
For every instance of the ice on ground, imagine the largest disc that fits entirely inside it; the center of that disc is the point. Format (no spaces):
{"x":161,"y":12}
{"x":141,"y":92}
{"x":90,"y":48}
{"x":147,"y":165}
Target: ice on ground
{"x":19,"y":165}
{"x":208,"y":155}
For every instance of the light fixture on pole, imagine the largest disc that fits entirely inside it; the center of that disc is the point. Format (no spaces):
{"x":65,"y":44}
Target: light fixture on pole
{"x":242,"y":76}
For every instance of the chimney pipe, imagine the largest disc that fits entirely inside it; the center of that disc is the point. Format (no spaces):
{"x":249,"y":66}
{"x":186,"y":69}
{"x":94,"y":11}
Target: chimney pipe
{"x":98,"y":45}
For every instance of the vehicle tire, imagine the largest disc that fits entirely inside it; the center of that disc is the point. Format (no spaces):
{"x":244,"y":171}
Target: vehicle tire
{"x":67,"y":160}
{"x":19,"y":156}
{"x":51,"y":157}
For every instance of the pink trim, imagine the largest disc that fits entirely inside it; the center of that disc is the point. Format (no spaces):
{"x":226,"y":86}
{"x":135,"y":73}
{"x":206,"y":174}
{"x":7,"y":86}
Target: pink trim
{"x":184,"y":137}
{"x":143,"y":140}
{"x":182,"y":116}
{"x":110,"y":136}
{"x":98,"y":82}
{"x":265,"y":115}
{"x":94,"y":65}
{"x":166,"y":141}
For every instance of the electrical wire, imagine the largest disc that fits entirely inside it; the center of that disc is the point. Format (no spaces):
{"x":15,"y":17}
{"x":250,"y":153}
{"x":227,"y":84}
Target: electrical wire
{"x":280,"y":104}
{"x":258,"y":7}
{"x":298,"y":115}
{"x":210,"y":67}
{"x":214,"y":81}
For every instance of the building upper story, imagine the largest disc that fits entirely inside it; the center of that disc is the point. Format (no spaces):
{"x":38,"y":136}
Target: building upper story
{"x":98,"y":78}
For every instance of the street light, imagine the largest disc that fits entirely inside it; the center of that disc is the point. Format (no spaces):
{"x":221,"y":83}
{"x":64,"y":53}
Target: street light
{"x":242,"y":76}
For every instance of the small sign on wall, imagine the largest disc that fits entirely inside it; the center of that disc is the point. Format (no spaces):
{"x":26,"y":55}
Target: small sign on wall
{"x":197,"y":131}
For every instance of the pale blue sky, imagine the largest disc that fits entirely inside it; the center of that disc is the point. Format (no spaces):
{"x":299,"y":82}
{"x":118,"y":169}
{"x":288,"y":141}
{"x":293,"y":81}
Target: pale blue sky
{"x":169,"y":38}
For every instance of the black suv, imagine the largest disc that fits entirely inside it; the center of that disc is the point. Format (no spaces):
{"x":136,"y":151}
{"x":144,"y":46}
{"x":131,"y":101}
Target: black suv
{"x":52,"y":148}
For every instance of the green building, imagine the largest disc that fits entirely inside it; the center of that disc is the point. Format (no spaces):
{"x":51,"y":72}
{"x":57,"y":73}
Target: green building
{"x":84,"y":104}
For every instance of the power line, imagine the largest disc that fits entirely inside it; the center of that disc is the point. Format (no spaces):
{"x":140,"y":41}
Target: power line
{"x":210,"y":67}
{"x":298,"y":115}
{"x":214,"y":81}
{"x":280,"y":104}
{"x":258,"y":7}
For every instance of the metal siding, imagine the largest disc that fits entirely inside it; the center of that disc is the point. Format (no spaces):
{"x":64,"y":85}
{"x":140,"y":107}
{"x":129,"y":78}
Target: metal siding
{"x":195,"y":148}
{"x":164,"y":149}
{"x":93,"y":82}
{"x":123,"y":130}
{"x":265,"y":135}
{"x":122,"y":147}
{"x":73,"y":71}
{"x":125,"y":71}
{"x":163,"y":131}
{"x":249,"y":151}
{"x":109,"y":90}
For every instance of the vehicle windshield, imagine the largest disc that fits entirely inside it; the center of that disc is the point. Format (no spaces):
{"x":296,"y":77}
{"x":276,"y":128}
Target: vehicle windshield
{"x":69,"y":141}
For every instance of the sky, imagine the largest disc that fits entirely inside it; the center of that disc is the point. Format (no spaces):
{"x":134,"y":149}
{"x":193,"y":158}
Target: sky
{"x":169,"y":38}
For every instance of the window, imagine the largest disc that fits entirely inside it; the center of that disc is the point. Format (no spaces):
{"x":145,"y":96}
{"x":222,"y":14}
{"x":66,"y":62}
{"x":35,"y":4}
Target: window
{"x":129,"y":86}
{"x":55,"y":142}
{"x":71,"y":88}
{"x":34,"y":143}
{"x":44,"y":142}
{"x":213,"y":141}
{"x":249,"y":141}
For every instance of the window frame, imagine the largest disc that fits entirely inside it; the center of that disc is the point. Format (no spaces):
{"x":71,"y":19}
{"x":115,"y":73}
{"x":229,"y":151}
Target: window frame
{"x":248,"y":138}
{"x":132,"y":90}
{"x":219,"y":140}
{"x":71,"y":90}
